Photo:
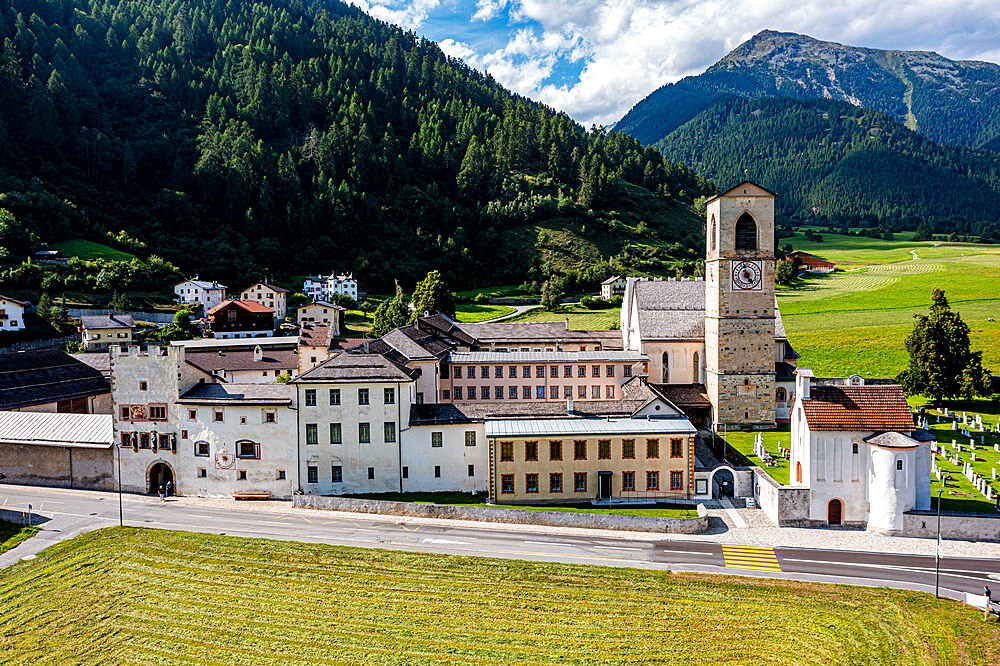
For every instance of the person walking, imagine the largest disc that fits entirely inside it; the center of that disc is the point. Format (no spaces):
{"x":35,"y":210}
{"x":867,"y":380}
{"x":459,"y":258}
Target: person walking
{"x":160,"y":492}
{"x":170,"y":485}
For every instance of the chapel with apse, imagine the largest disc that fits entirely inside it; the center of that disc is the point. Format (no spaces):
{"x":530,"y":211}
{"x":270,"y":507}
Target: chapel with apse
{"x":716,"y":345}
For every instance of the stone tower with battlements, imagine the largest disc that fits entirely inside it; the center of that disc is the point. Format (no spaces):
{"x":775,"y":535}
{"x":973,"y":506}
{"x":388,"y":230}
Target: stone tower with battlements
{"x":740,"y":308}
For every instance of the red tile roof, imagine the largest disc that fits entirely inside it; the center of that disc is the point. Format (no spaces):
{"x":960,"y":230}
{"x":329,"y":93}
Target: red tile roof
{"x":879,"y":408}
{"x":249,"y":306}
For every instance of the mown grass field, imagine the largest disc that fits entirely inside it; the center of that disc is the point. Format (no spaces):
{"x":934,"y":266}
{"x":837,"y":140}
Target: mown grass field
{"x":468,"y":499}
{"x":12,"y":534}
{"x":580,"y":318}
{"x":853,"y":251}
{"x":857,"y":322}
{"x":85,"y":249}
{"x":135,"y":596}
{"x":473,"y":312}
{"x":740,"y":451}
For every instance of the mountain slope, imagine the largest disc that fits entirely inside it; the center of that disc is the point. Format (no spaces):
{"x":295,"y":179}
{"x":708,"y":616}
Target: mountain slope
{"x":243,"y":138}
{"x":948,"y":101}
{"x":831,"y":160}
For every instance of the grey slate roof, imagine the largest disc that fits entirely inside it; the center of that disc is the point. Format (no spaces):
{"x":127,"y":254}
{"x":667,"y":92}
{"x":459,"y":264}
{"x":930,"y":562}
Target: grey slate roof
{"x":46,"y":375}
{"x":353,"y":366}
{"x":88,"y":431}
{"x":675,"y":310}
{"x":526,"y":331}
{"x":892,"y":440}
{"x":253,"y":394}
{"x":236,"y":360}
{"x":107,"y":321}
{"x":584,"y":427}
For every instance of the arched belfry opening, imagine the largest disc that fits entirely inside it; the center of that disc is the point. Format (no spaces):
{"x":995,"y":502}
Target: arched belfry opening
{"x":746,"y":233}
{"x":666,"y":367}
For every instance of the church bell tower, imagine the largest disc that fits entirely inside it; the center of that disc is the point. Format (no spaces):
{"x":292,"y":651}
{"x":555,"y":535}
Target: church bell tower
{"x":739,"y":308}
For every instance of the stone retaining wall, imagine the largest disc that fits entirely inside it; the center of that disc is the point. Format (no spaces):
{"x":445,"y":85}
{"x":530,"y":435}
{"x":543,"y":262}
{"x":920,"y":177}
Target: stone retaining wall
{"x":966,"y":526}
{"x":497,"y":515}
{"x":784,"y":505}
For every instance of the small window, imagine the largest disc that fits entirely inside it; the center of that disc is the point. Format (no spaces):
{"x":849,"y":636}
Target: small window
{"x":506,"y":483}
{"x":312,"y":433}
{"x":144,"y":440}
{"x":371,"y":473}
{"x":581,"y":371}
{"x":628,"y":480}
{"x":312,"y":474}
{"x":652,"y":480}
{"x":217,"y":416}
{"x":555,"y":450}
{"x":512,"y":371}
{"x":531,"y":451}
{"x":595,"y":391}
{"x":531,"y":483}
{"x":201,"y":449}
{"x":498,"y":392}
{"x":567,"y":371}
{"x":157,"y":413}
{"x":677,"y":448}
{"x":437,"y":440}
{"x":627,"y":371}
{"x":281,"y":475}
{"x":336,"y":434}
{"x":243,"y":420}
{"x":512,"y":392}
{"x":365,"y":433}
{"x":363,"y":396}
{"x":310,"y":397}
{"x":526,"y":371}
{"x":854,"y":447}
{"x":337,"y":473}
{"x":498,"y":372}
{"x":334,"y":396}
{"x":390,"y":432}
{"x":540,"y":372}
{"x":389,"y":396}
{"x":555,"y":483}
{"x":143,"y":385}
{"x":595,"y":371}
{"x":470,"y":437}
{"x":609,"y":392}
{"x":899,"y":464}
{"x":184,"y":434}
{"x":628,"y":449}
{"x":472,"y":470}
{"x":202,"y":472}
{"x":581,"y":391}
{"x":604,"y":449}
{"x":437,"y":471}
{"x":580,"y":450}
{"x":458,"y":392}
{"x":270,"y":417}
{"x":484,"y":372}
{"x":677,"y":480}
{"x":554,"y":372}
{"x":611,"y":371}
{"x":445,"y":394}
{"x":123,"y":413}
{"x":406,"y":472}
{"x":247,"y":449}
{"x":579,"y":482}
{"x":554,"y":392}
{"x":526,"y":392}
{"x":652,"y":448}
{"x":506,"y":451}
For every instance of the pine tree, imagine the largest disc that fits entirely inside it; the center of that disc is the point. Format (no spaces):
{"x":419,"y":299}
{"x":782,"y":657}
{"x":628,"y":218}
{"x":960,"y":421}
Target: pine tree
{"x":942,"y":363}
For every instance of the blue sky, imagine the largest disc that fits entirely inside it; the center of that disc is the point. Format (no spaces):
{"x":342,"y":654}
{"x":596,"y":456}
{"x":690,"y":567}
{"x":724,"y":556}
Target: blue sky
{"x":594,"y":59}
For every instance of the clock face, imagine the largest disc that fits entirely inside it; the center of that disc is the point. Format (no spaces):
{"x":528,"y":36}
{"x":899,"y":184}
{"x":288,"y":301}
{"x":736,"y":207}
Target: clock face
{"x":746,"y":275}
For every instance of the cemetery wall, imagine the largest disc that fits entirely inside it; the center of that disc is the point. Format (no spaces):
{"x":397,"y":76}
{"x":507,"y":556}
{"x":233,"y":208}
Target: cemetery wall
{"x":967,"y":526}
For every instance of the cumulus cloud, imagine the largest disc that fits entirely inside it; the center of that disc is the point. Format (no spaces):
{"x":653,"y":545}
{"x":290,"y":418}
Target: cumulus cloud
{"x":621,"y":50}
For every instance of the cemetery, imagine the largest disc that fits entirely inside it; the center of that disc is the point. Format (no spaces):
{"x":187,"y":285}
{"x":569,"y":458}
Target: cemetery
{"x":966,"y":459}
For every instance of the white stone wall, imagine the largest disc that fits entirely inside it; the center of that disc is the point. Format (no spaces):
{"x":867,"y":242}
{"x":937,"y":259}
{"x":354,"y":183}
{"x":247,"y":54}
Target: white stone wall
{"x":453,"y":457}
{"x":892,"y":490}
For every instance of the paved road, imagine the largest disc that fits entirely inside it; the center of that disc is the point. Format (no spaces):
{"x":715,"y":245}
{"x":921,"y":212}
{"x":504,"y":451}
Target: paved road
{"x":67,"y":513}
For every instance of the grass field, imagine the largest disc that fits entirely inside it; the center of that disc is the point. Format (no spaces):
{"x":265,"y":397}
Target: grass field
{"x":134,"y":596}
{"x":853,"y":251}
{"x":468,"y":499}
{"x":473,"y":312}
{"x":12,"y":534}
{"x":86,"y":249}
{"x":740,"y":451}
{"x":857,"y":322}
{"x":580,"y":318}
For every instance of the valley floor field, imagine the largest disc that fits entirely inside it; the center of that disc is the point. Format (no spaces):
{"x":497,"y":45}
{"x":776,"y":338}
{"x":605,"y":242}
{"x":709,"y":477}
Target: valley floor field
{"x":148,"y":596}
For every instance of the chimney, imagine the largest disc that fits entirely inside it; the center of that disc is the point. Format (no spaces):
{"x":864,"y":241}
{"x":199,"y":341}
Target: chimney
{"x":803,"y":383}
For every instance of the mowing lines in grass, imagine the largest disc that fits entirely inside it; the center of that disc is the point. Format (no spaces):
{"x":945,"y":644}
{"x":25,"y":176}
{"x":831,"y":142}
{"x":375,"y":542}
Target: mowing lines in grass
{"x":757,"y":558}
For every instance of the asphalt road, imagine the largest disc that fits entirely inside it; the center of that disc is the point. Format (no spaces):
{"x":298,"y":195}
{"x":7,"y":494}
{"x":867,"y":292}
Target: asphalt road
{"x":66,"y":513}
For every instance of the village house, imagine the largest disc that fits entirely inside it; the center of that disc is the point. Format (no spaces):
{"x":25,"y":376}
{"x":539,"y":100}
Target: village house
{"x":99,"y":332}
{"x":810,"y":262}
{"x":48,"y":380}
{"x":268,"y":295}
{"x":249,"y":363}
{"x":57,"y":449}
{"x":854,"y":445}
{"x":12,"y":314}
{"x":209,"y":439}
{"x":317,"y":343}
{"x":200,"y":292}
{"x":613,"y":286}
{"x":323,"y":287}
{"x":320,"y":312}
{"x":241,"y":319}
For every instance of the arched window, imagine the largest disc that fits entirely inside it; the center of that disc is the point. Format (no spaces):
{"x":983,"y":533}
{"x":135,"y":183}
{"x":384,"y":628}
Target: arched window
{"x":711,"y":233}
{"x":746,"y":233}
{"x":779,"y":394}
{"x":696,"y":369}
{"x":666,"y":368}
{"x":798,"y":472}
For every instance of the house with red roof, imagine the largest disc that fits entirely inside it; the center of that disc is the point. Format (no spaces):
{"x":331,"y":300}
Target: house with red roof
{"x":241,"y":319}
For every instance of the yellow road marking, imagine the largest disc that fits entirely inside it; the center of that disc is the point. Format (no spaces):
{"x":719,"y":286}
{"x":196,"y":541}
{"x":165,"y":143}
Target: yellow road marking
{"x":306,"y":519}
{"x":756,"y":558}
{"x":4,"y":501}
{"x":284,"y":517}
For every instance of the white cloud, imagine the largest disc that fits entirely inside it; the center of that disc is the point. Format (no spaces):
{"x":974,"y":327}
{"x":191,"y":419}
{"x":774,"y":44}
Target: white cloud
{"x":628,"y":48}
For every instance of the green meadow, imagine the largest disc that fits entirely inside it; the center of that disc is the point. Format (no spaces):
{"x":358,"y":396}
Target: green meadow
{"x":580,"y":318}
{"x":141,"y":596}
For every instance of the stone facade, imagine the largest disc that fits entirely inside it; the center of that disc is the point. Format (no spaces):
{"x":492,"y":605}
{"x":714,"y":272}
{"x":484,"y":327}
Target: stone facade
{"x":739,"y":308}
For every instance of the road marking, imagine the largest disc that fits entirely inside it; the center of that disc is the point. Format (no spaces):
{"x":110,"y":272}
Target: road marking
{"x":307,"y":520}
{"x":448,"y":542}
{"x":284,"y":517}
{"x":544,"y":543}
{"x":757,"y":558}
{"x":618,"y":547}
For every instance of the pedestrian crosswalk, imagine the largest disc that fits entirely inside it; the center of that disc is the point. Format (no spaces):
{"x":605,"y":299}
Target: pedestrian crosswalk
{"x":757,"y":558}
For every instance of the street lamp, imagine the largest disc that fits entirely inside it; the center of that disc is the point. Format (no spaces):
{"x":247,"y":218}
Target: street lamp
{"x":937,"y":554}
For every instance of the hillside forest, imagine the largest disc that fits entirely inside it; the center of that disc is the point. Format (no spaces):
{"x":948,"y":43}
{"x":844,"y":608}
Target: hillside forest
{"x":241,"y":139}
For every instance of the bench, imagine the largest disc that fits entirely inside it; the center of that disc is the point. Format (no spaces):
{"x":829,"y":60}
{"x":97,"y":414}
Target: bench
{"x":252,"y":495}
